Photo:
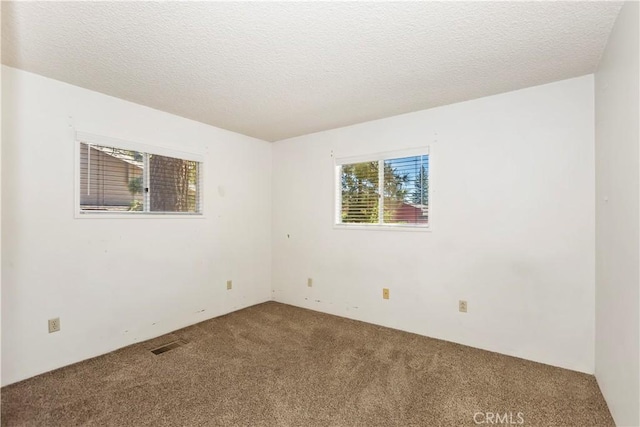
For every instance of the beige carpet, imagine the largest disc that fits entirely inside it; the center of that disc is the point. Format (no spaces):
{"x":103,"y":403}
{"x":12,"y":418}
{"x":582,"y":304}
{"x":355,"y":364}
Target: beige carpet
{"x":277,"y":365}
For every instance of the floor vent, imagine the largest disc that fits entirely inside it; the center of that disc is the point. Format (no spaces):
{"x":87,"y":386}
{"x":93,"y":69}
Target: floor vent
{"x":167,"y":347}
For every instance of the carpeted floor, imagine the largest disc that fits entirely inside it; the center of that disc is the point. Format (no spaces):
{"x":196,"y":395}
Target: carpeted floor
{"x":277,"y":365}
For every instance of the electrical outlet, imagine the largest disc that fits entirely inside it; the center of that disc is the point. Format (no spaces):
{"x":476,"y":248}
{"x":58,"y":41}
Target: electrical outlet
{"x":385,"y":293}
{"x":309,"y":282}
{"x":229,"y":285}
{"x":54,"y":325}
{"x":462,"y":306}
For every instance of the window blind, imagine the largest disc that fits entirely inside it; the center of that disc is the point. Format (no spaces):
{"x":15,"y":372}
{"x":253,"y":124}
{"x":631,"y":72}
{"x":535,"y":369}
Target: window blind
{"x":388,"y":190}
{"x":119,"y":180}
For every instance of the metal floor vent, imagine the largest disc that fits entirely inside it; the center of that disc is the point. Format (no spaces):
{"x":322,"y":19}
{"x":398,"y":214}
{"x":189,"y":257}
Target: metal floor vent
{"x":167,"y":347}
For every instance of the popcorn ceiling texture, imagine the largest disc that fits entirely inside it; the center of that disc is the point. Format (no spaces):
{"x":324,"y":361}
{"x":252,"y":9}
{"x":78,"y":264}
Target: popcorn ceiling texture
{"x":278,"y":70}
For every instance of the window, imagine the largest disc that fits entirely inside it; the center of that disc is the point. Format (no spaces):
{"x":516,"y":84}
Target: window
{"x":388,"y":189}
{"x":128,"y":179}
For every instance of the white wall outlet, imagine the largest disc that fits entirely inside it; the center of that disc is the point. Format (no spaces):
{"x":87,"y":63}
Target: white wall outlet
{"x":229,"y":284}
{"x":462,"y":306}
{"x":54,"y":325}
{"x":309,"y":282}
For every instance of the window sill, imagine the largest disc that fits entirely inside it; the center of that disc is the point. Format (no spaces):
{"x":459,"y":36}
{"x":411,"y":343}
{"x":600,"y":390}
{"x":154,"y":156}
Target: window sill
{"x":383,"y":227}
{"x":146,"y":215}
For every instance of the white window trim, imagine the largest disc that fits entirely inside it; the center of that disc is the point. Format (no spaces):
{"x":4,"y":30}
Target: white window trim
{"x":93,"y":139}
{"x":380,"y":156}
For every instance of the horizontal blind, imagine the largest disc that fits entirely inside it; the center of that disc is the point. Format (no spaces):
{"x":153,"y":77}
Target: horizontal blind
{"x":360,"y":192}
{"x":406,"y":190}
{"x":119,"y":180}
{"x":110,"y":179}
{"x":390,"y":191}
{"x":173,"y":184}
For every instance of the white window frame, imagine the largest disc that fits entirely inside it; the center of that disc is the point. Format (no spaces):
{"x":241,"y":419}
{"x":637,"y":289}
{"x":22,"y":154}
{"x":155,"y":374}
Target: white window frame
{"x":93,"y":139}
{"x":382,"y":156}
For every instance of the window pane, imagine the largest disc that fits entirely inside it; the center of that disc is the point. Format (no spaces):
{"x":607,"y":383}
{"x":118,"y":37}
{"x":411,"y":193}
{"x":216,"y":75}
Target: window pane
{"x":406,"y":190}
{"x":110,"y":179}
{"x":360,"y":193}
{"x":173,"y":184}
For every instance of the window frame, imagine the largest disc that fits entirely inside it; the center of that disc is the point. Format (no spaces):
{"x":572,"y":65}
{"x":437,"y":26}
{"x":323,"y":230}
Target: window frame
{"x":379,"y":157}
{"x":93,"y":139}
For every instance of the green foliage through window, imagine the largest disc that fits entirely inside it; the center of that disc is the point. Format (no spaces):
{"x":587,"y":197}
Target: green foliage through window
{"x":404,"y":198}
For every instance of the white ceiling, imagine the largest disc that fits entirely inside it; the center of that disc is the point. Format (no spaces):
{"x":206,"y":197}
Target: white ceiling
{"x":277,"y":70}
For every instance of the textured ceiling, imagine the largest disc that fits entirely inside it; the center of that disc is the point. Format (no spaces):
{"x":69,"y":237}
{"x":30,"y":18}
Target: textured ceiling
{"x":277,"y":70}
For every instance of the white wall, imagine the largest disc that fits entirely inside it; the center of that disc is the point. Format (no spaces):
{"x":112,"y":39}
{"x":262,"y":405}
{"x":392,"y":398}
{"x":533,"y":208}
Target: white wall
{"x":113,"y":282}
{"x":618,"y":220}
{"x":513,"y":226}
